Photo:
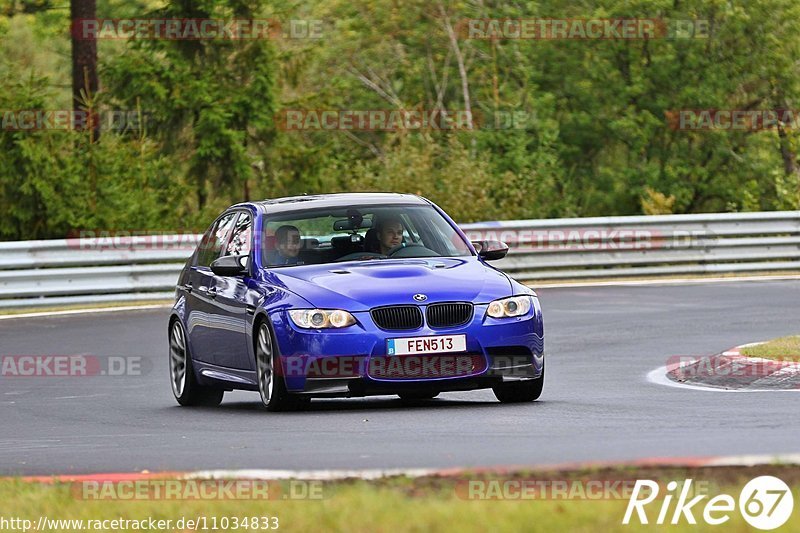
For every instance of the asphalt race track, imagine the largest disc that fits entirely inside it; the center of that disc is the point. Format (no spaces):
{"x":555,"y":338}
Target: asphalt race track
{"x":597,"y":405}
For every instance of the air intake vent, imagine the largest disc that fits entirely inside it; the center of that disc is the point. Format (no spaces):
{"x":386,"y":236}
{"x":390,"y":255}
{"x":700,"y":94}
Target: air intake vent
{"x":449,"y":314}
{"x":426,"y":366}
{"x":397,"y":317}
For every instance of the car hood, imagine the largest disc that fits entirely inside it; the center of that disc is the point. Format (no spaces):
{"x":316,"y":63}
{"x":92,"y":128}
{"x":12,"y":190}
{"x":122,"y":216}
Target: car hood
{"x":361,"y":285}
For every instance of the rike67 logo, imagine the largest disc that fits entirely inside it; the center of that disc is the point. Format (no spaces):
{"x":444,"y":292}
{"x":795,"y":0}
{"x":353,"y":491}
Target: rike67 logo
{"x":765,"y":503}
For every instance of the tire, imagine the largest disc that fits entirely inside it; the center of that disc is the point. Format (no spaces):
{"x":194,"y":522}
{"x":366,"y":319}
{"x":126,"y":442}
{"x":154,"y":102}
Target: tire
{"x":185,"y":388}
{"x":520,"y":391}
{"x":272,"y":387}
{"x":409,"y":396}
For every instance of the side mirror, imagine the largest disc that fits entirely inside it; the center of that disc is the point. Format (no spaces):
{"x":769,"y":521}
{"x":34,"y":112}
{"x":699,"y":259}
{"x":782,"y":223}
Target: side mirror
{"x":230,"y":265}
{"x":491,"y":250}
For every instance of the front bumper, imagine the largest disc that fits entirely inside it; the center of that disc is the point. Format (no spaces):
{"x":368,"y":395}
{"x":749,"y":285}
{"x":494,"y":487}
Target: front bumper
{"x":353,"y":361}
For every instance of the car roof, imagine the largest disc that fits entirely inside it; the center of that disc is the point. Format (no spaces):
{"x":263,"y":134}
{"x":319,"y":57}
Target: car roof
{"x":350,"y":199}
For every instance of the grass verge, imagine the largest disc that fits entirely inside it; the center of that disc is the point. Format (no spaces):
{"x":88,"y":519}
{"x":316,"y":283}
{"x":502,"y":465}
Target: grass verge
{"x":783,"y":348}
{"x":402,"y":504}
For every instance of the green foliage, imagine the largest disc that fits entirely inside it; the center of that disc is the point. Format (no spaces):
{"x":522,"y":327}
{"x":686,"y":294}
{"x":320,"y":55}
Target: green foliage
{"x":596,"y":139}
{"x":657,"y":203}
{"x":208,"y":99}
{"x":54,"y":181}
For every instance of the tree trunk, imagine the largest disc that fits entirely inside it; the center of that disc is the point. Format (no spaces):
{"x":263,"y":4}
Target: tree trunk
{"x":789,"y":158}
{"x":84,"y":64}
{"x":462,"y":70}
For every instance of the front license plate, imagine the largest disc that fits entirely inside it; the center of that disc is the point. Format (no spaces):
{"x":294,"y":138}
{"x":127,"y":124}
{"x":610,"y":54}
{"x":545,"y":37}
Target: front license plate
{"x":437,"y":344}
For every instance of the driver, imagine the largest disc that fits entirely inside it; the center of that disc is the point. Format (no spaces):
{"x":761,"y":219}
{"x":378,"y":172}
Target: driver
{"x":389,"y":231}
{"x":287,"y":248}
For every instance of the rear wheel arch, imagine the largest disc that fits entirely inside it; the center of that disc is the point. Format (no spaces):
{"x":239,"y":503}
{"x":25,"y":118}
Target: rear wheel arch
{"x":189,"y":391}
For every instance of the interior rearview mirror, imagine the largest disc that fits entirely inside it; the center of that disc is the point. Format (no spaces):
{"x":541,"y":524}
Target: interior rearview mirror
{"x":349,"y":224}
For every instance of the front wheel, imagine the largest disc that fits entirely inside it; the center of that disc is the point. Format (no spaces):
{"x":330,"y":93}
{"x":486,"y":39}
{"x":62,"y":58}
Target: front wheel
{"x":271,"y":384}
{"x":520,"y":391}
{"x":185,"y":388}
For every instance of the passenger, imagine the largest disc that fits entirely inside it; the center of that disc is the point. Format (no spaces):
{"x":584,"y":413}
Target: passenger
{"x":287,"y":248}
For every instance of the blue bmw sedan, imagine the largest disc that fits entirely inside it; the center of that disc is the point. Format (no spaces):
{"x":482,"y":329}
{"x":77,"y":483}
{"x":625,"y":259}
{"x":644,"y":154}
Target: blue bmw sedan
{"x":345,"y":295}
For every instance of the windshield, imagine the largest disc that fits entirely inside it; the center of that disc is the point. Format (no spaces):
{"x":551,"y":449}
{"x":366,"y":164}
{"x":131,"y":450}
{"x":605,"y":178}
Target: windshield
{"x":323,"y":236}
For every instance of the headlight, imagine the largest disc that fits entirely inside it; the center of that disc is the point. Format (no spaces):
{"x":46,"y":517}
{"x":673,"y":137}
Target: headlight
{"x":508,"y":307}
{"x":321,"y":318}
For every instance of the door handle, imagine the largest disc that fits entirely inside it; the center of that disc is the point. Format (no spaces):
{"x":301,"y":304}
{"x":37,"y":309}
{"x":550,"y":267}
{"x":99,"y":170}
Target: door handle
{"x":188,"y":287}
{"x":212,"y":292}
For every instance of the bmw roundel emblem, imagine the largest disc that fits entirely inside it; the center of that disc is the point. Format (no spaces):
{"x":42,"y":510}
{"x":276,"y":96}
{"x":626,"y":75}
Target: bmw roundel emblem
{"x":420,"y":297}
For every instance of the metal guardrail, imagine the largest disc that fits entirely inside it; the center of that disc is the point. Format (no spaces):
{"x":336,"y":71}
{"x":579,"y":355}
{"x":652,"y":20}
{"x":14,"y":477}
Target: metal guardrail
{"x":664,"y":245}
{"x":96,"y":270}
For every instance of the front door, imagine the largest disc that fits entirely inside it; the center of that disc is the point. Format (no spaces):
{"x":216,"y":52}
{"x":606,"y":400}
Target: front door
{"x":229,"y":300}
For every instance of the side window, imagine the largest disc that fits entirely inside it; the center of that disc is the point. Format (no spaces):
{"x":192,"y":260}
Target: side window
{"x":240,"y":239}
{"x":214,"y":240}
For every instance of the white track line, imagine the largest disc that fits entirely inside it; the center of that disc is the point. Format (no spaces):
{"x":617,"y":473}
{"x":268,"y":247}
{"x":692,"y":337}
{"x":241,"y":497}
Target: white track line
{"x":756,"y":460}
{"x":789,"y":458}
{"x":658,"y":282}
{"x":659,"y":377}
{"x":86,"y":311}
{"x":322,"y":475}
{"x":372,"y":474}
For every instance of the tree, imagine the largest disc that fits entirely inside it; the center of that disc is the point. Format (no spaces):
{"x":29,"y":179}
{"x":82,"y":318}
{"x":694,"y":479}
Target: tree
{"x":210,"y":101}
{"x":84,"y":64}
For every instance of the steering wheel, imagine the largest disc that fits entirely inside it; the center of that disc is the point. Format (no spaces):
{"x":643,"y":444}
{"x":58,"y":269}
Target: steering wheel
{"x":355,"y":256}
{"x":411,"y":249}
{"x":394,"y":249}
